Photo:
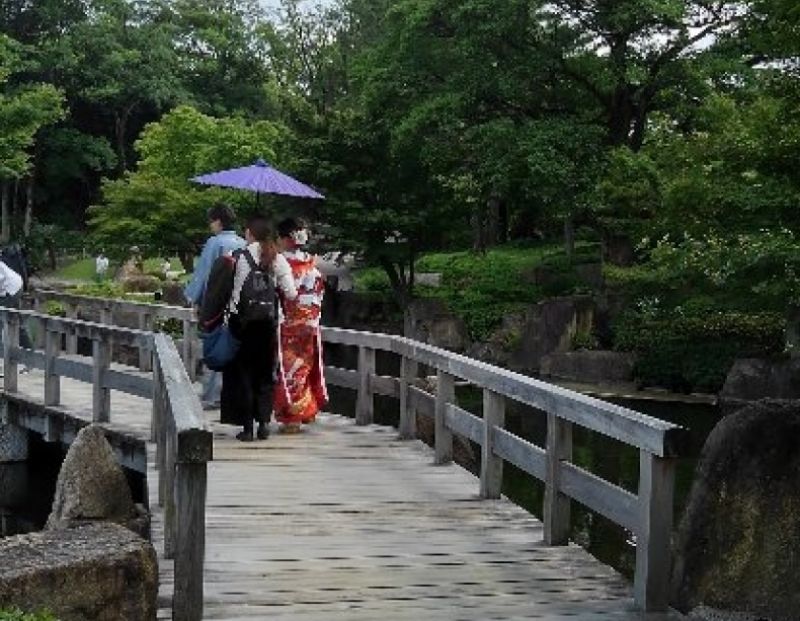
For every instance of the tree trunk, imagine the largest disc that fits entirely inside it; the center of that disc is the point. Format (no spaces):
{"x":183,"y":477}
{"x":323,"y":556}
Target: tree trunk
{"x":28,"y":220}
{"x":187,"y":261}
{"x":398,"y":280}
{"x":5,"y":228}
{"x":569,"y":237}
{"x":478,"y":229}
{"x":493,"y":224}
{"x":121,"y":129}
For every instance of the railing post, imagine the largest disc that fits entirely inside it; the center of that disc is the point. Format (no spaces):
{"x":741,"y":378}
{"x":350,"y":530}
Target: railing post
{"x":10,"y":344}
{"x":38,"y":342}
{"x":107,"y":318}
{"x":187,"y":348}
{"x":653,"y":539}
{"x":365,"y":403}
{"x":445,"y":393}
{"x":556,"y":504}
{"x":72,"y":336}
{"x":167,"y":480}
{"x":494,"y":415}
{"x":408,"y":414}
{"x":145,"y":353}
{"x":101,"y":396}
{"x":52,"y":382}
{"x":190,"y":494}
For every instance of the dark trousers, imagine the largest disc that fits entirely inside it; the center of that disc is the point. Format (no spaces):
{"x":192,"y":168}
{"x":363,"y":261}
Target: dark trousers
{"x":15,"y":301}
{"x":247,"y":383}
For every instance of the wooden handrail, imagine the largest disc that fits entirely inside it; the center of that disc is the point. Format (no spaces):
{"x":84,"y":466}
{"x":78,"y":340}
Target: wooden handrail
{"x":183,"y":441}
{"x":109,"y":310}
{"x":647,"y":514}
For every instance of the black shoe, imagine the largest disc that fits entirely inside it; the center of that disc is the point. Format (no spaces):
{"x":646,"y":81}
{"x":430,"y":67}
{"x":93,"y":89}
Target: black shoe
{"x":245,"y":436}
{"x":262,"y":433}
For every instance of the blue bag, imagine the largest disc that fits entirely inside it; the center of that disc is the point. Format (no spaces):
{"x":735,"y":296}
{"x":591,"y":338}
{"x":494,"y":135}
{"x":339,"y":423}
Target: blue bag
{"x":219,"y":347}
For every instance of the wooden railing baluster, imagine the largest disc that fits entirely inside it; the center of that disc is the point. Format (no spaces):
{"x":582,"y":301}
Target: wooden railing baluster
{"x":443,"y":437}
{"x":494,"y":415}
{"x":365,"y":405}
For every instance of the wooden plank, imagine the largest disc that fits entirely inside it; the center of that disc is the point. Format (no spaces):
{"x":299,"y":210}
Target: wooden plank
{"x":365,"y":404}
{"x":96,"y":304}
{"x":421,"y":401}
{"x":129,"y":383}
{"x":101,"y":395}
{"x":464,"y":423}
{"x":386,"y":386}
{"x":10,"y":345}
{"x":407,"y":427}
{"x":190,"y":492}
{"x":52,"y":381}
{"x":524,"y":455}
{"x":344,"y":378}
{"x":615,"y":503}
{"x":654,"y":532}
{"x":556,"y":504}
{"x":445,"y":394}
{"x":494,"y":415}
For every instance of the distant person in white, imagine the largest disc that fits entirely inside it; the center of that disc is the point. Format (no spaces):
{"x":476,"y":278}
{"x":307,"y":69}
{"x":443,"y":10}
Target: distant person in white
{"x":10,"y":294}
{"x":101,"y":266}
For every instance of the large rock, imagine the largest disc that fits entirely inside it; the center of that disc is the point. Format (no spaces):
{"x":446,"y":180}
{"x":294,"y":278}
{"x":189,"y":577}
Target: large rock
{"x":550,"y":327}
{"x":429,"y":321}
{"x":101,"y":572}
{"x":589,"y":366}
{"x":751,"y":379}
{"x":91,"y":485}
{"x":737,"y":546}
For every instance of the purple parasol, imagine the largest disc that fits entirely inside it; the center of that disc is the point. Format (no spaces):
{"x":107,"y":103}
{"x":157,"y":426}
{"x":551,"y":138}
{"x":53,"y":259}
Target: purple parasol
{"x":260,"y":178}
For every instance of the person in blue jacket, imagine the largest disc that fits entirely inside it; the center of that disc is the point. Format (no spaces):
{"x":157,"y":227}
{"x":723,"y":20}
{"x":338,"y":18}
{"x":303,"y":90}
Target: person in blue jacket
{"x":224,"y":240}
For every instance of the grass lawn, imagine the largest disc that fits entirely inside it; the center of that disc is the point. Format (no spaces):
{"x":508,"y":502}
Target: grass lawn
{"x":83,"y":269}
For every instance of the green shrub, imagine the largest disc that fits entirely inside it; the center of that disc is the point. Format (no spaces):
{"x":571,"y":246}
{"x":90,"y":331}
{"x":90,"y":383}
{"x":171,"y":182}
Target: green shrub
{"x":15,"y":614}
{"x":54,"y":308}
{"x":373,"y":279}
{"x":693,"y":349}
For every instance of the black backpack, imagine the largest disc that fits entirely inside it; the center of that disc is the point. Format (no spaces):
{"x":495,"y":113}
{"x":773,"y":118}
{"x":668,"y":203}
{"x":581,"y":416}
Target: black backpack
{"x":258,"y":300}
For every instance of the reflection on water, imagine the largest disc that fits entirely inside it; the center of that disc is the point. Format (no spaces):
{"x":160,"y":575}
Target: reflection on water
{"x":27,"y":488}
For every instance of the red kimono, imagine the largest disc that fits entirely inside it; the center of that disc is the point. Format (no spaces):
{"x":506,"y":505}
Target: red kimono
{"x":301,"y":390}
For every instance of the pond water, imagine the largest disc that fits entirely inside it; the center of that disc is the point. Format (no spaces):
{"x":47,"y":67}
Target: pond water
{"x":27,"y":488}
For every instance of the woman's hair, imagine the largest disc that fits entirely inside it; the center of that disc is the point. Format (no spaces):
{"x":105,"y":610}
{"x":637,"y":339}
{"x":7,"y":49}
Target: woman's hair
{"x":288,"y":226}
{"x":222,"y":212}
{"x":259,"y":228}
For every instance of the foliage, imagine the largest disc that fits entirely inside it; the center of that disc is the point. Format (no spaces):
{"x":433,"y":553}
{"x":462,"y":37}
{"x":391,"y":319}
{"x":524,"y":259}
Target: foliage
{"x":23,"y":111}
{"x":15,"y":614}
{"x":483,"y":288}
{"x":156,"y":207}
{"x":692,"y":349}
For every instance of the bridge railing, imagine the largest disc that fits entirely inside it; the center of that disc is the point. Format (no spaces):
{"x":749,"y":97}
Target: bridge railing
{"x":648,"y":514}
{"x":143,"y":315}
{"x":183,"y":442}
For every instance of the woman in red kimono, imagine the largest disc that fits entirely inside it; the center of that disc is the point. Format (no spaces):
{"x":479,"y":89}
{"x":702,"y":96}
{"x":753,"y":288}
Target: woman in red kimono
{"x":301,"y":390}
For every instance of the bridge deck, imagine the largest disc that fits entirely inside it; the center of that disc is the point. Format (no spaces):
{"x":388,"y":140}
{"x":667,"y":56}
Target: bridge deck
{"x":346,"y":522}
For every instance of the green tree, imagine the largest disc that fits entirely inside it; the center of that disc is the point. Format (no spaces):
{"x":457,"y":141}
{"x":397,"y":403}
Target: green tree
{"x":24,"y":111}
{"x":156,"y":207}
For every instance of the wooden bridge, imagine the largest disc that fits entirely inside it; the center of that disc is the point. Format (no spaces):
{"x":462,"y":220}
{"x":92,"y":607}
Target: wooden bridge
{"x":350,"y":520}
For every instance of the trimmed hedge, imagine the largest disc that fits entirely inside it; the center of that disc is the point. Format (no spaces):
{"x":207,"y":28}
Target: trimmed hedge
{"x":693,"y":353}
